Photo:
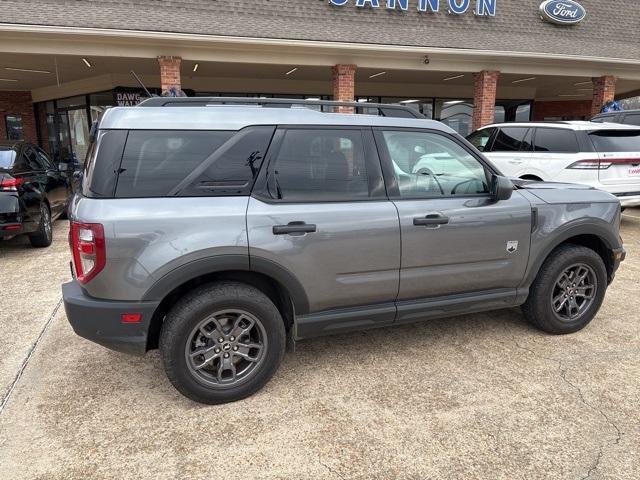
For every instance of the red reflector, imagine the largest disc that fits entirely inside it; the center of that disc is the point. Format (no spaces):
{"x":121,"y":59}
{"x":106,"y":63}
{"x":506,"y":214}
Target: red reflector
{"x":131,"y":317}
{"x":87,"y":248}
{"x":12,"y":227}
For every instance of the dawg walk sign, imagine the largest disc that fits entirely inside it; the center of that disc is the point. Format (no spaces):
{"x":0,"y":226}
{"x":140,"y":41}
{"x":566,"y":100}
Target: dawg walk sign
{"x":456,"y":7}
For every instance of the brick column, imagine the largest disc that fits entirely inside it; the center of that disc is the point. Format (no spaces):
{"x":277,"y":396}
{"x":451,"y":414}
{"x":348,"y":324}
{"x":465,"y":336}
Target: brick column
{"x":170,"y":72}
{"x":484,"y":98}
{"x":604,"y":90}
{"x":18,"y":103}
{"x":344,"y":85}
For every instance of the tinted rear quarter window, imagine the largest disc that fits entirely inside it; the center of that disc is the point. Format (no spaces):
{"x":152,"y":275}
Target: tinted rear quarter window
{"x":556,"y":140}
{"x":616,"y":140}
{"x":156,"y":161}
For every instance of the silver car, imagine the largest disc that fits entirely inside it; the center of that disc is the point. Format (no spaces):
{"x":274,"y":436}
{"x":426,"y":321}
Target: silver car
{"x":219,"y":233}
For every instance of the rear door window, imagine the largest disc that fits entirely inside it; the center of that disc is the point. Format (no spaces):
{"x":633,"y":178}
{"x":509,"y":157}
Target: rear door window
{"x":510,"y":139}
{"x":31,"y":159}
{"x":314,"y":165}
{"x":156,"y":161}
{"x":556,"y":140}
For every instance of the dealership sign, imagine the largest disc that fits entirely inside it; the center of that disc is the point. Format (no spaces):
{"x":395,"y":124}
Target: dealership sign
{"x":562,"y":12}
{"x":457,"y":7}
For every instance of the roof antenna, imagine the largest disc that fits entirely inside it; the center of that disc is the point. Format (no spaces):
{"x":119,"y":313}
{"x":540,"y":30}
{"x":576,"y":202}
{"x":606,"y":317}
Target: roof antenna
{"x":141,"y":84}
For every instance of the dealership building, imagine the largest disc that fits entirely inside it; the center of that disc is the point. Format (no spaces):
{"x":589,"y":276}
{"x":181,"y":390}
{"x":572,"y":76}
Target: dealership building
{"x":464,"y":62}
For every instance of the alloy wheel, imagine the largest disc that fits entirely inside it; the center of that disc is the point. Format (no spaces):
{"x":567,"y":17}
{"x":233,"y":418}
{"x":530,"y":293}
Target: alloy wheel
{"x":574,"y":292}
{"x":226,"y":348}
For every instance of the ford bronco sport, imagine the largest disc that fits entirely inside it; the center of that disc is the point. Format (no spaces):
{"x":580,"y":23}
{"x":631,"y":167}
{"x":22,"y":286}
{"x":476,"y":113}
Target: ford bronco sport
{"x":218,"y":233}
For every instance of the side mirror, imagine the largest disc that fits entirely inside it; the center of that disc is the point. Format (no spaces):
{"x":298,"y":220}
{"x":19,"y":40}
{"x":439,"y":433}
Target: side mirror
{"x":501,"y":188}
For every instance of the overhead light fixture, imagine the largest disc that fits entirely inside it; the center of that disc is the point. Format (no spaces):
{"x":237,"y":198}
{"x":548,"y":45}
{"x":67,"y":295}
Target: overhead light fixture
{"x":291,"y":71}
{"x":583,"y":83}
{"x":409,"y":101}
{"x":377,"y":74}
{"x":195,"y":67}
{"x":86,"y":62}
{"x":453,"y":102}
{"x":32,"y":70}
{"x":452,"y":78}
{"x":8,"y":80}
{"x":528,"y":79}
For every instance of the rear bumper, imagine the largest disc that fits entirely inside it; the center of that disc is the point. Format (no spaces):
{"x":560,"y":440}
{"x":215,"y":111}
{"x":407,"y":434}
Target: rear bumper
{"x":11,"y":229}
{"x":100,"y":320}
{"x":629,"y":199}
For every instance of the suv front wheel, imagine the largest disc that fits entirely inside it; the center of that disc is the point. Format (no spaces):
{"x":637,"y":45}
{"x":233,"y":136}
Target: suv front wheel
{"x":568,"y":291}
{"x":222,"y":342}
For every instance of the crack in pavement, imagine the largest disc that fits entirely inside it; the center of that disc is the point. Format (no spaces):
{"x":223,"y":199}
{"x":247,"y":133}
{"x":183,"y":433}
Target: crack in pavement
{"x":26,"y":360}
{"x":563,"y":369}
{"x":331,"y":470}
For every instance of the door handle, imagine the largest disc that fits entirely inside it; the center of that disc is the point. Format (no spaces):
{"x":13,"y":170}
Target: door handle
{"x":293,"y":228}
{"x":432,"y":219}
{"x":515,"y":161}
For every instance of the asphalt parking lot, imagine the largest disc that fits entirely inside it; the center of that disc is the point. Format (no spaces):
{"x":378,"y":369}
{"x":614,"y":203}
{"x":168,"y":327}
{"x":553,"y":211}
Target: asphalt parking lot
{"x":481,"y":396}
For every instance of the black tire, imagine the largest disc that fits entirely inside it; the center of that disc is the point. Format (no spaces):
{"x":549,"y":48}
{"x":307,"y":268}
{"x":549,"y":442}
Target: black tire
{"x":539,"y":309}
{"x":43,"y":237}
{"x":182,"y":323}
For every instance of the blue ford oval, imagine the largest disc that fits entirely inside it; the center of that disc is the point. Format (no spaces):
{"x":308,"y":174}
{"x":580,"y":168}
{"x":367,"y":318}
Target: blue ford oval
{"x":563,"y":12}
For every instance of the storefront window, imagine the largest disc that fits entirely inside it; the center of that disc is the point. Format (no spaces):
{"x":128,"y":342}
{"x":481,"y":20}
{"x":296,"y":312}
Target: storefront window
{"x":99,"y":102}
{"x":13,"y":124}
{"x":455,"y":113}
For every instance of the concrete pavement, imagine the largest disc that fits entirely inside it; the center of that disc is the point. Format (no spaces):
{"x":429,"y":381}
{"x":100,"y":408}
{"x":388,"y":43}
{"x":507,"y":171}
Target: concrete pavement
{"x":483,"y":396}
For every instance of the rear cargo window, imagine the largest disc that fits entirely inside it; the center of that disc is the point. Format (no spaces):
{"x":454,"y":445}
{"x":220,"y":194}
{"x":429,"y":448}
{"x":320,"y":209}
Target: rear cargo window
{"x":616,"y":140}
{"x":156,"y":161}
{"x":7,"y":157}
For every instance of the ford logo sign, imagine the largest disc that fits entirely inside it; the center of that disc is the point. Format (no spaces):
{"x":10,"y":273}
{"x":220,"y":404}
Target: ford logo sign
{"x":562,"y":12}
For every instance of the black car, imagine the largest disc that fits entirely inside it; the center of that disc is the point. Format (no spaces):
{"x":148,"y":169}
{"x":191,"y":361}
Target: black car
{"x":626,"y":117}
{"x":33,"y":192}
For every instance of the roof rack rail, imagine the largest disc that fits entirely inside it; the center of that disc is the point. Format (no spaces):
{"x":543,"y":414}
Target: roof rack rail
{"x":383,"y":109}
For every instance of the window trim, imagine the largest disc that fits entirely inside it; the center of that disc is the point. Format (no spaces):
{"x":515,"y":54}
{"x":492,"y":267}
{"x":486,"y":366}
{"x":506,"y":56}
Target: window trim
{"x":391,"y":182}
{"x":374,"y":171}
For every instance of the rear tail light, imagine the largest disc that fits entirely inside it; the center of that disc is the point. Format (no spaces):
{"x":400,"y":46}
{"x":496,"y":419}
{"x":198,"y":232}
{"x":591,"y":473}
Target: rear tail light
{"x":88,"y":249}
{"x":590,"y":165}
{"x":10,"y":184}
{"x":603,"y":164}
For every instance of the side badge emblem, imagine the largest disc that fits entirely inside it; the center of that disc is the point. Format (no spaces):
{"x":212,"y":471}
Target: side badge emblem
{"x":512,"y":246}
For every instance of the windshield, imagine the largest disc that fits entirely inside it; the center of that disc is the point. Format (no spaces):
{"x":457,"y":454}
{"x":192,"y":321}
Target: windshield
{"x":7,"y":157}
{"x":616,"y":140}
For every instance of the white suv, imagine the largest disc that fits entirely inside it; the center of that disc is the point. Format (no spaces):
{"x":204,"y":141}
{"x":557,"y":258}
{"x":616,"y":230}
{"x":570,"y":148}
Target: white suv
{"x":602,"y":155}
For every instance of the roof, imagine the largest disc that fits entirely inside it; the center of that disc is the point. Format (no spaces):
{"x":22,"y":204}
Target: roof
{"x":610,"y":29}
{"x":235,"y":117}
{"x":568,"y":125}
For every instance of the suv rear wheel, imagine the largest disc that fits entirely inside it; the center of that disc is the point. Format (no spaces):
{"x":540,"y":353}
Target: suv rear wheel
{"x":44,"y":235}
{"x":222,"y":342}
{"x":568,"y":291}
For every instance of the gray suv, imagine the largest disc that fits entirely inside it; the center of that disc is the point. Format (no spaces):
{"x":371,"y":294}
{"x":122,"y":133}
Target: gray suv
{"x":220,"y":233}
